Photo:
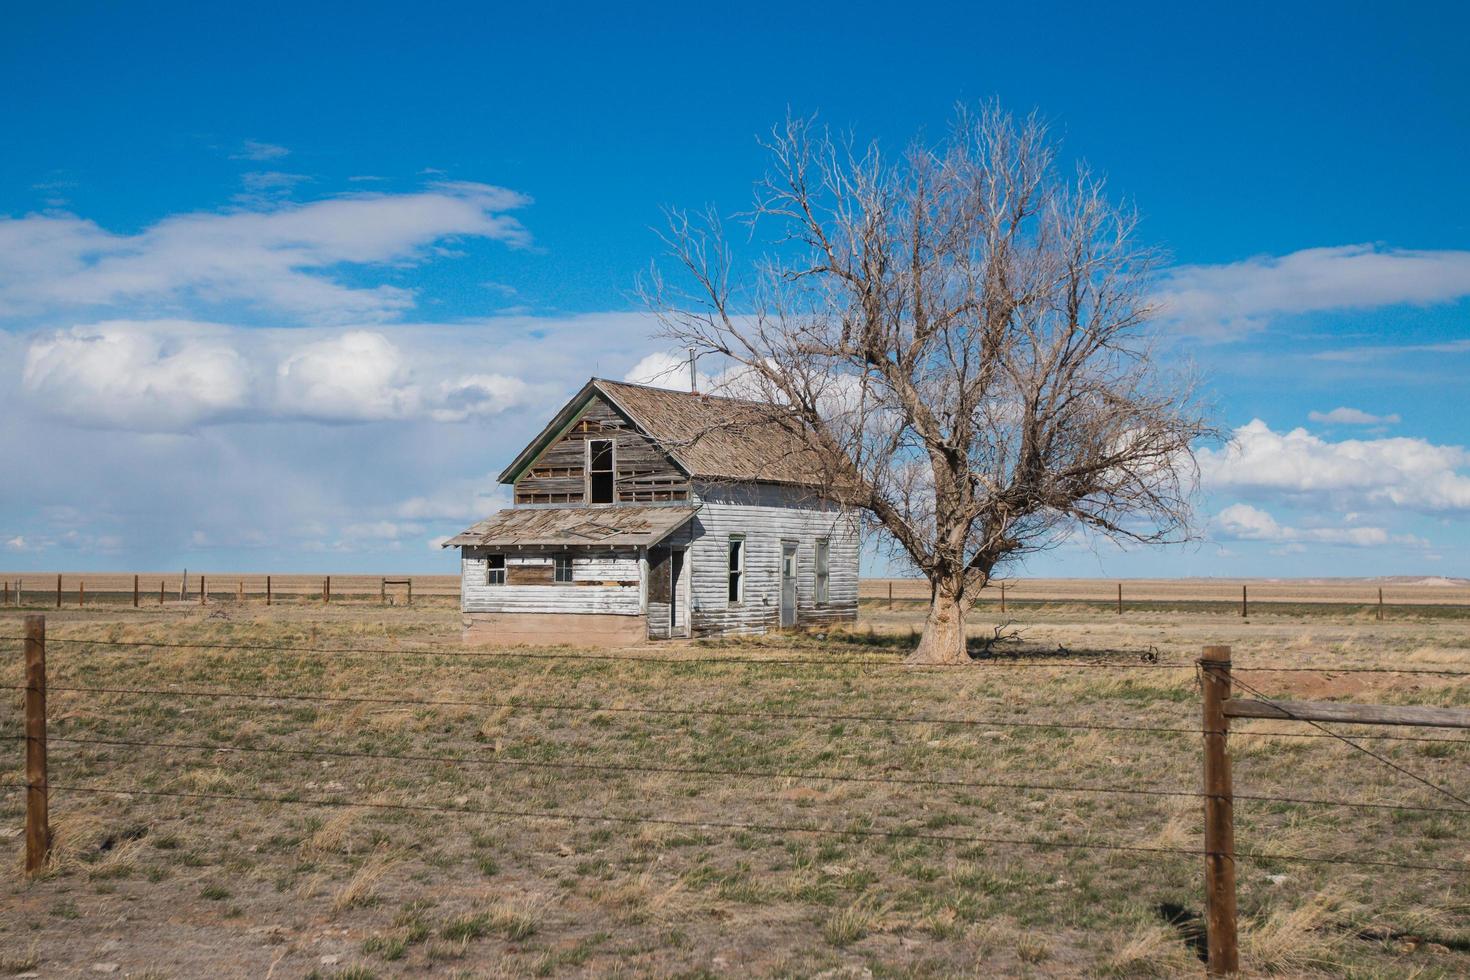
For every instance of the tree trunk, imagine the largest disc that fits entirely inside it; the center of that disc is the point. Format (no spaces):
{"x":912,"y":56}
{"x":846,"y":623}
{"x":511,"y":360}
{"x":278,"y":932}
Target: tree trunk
{"x":943,"y":641}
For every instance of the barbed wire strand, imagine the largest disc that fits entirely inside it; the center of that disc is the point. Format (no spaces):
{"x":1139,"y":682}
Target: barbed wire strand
{"x":735,"y":773}
{"x":686,"y":712}
{"x":742,"y":661}
{"x":1041,"y":843}
{"x":1361,"y":748}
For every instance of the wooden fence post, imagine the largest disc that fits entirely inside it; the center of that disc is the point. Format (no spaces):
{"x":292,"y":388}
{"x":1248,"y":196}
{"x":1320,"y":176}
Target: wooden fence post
{"x":1120,"y":598}
{"x":135,"y":592}
{"x":1243,"y":603}
{"x":160,"y":591}
{"x":240,"y":592}
{"x":38,"y":824}
{"x":203,"y":588}
{"x":890,"y":597}
{"x":1380,"y":605}
{"x":81,"y":593}
{"x":1002,"y":598}
{"x":58,"y":590}
{"x":410,"y":592}
{"x":327,"y":589}
{"x":7,"y":593}
{"x":382,"y":592}
{"x":267,"y":590}
{"x":1224,"y":955}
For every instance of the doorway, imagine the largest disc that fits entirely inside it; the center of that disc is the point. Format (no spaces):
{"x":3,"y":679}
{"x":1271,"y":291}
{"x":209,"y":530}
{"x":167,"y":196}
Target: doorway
{"x":788,"y":583}
{"x":678,"y":613}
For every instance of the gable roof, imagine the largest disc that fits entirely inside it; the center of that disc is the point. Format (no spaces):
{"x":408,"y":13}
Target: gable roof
{"x":705,"y":435}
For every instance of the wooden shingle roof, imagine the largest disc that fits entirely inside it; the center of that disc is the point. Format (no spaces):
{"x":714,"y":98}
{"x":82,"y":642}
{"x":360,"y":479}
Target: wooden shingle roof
{"x":608,"y":527}
{"x":707,"y":436}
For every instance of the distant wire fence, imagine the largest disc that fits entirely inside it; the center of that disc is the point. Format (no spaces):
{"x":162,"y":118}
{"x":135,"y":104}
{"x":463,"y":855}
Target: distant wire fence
{"x":1216,"y":674}
{"x":92,"y":589}
{"x":38,"y":591}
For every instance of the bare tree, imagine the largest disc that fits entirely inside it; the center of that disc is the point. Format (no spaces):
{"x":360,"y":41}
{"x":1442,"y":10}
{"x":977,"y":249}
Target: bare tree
{"x":959,"y":334}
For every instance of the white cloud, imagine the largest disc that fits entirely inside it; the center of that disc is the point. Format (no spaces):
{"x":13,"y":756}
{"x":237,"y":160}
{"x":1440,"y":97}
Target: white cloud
{"x":355,"y":377}
{"x":1375,"y":352}
{"x":177,"y":375}
{"x":462,"y":500}
{"x":381,"y":530}
{"x":279,"y":257}
{"x":1236,"y":298}
{"x":664,"y":370}
{"x":1353,"y":416}
{"x":257,"y":150}
{"x":477,"y":396}
{"x":1242,"y":522}
{"x":1354,"y":473}
{"x":167,"y":378}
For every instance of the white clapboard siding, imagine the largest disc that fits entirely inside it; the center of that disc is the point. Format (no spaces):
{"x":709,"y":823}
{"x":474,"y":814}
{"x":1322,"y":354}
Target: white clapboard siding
{"x":605,"y":568}
{"x":619,"y":600}
{"x":768,"y":515}
{"x":476,"y":596}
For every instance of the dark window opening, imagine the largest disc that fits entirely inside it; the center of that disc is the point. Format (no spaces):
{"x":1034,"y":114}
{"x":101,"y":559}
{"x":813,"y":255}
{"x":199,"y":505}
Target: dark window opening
{"x":495,"y":570}
{"x":600,"y":472}
{"x":737,"y":569}
{"x":563,"y":573}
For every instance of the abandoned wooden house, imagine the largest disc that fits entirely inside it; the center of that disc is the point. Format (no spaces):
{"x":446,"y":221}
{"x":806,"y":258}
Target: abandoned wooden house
{"x":642,"y":513}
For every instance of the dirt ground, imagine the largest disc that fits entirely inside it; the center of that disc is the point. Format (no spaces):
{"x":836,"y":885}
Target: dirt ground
{"x":790,"y":819}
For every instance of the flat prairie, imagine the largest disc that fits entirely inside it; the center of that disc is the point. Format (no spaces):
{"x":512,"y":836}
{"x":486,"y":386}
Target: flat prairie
{"x":39,"y":588}
{"x":344,"y":791}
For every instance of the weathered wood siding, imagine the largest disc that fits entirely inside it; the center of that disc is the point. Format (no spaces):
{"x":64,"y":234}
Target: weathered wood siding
{"x":661,"y":585}
{"x":644,"y":471}
{"x":580,"y":596}
{"x":768,"y":514}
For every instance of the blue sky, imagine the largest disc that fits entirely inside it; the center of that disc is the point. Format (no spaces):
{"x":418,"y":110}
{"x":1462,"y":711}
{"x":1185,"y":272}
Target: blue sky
{"x":283,"y":288}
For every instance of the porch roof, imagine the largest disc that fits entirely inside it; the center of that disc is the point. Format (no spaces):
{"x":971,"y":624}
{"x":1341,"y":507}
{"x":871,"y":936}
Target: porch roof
{"x":606,"y":527}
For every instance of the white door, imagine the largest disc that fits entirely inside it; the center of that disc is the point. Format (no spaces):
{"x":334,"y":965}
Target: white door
{"x":788,"y":583}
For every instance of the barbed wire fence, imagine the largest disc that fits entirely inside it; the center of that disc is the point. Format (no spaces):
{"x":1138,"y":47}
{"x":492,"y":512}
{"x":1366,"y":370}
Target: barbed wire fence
{"x":39,"y":787}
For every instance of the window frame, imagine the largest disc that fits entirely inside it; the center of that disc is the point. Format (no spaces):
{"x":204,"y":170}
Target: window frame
{"x":822,"y":574}
{"x":735,"y":570}
{"x":611,"y":471}
{"x":491,"y":570}
{"x":558,"y":564}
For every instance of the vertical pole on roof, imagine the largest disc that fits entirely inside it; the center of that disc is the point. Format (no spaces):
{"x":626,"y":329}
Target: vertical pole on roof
{"x":693,"y":374}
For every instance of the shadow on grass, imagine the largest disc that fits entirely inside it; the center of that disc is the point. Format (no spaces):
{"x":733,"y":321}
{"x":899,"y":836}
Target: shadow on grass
{"x":1190,"y":926}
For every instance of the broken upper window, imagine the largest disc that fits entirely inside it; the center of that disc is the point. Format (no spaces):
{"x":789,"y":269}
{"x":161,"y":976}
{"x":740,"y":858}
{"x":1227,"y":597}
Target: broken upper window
{"x":600,"y":473}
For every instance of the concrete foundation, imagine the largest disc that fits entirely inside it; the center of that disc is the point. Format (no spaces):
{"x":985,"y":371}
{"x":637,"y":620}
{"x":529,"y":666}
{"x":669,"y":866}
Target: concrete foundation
{"x":553,"y":629}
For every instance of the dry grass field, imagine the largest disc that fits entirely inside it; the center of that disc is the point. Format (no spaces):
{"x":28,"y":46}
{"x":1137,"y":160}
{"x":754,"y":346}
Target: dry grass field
{"x":535,"y":824}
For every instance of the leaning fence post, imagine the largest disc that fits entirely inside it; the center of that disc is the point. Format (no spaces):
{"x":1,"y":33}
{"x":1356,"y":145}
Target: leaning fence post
{"x":38,"y":824}
{"x":1224,"y":956}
